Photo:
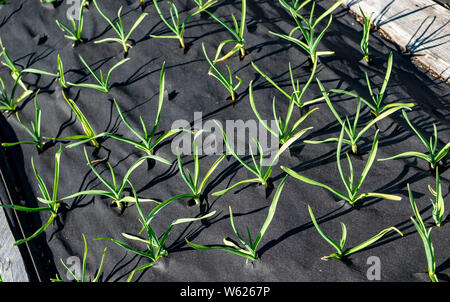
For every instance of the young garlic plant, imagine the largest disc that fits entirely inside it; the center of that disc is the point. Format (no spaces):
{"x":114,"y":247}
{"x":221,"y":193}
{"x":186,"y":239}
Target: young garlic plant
{"x":352,"y":195}
{"x":250,"y":250}
{"x":60,"y":75}
{"x":438,"y":201}
{"x":376,"y":106}
{"x":103,"y":84}
{"x":237,"y":32}
{"x":154,"y":243}
{"x":307,"y":28}
{"x":294,"y":6}
{"x":116,"y":191}
{"x":282,"y":131}
{"x":9,"y":102}
{"x":193,"y":181}
{"x":433,"y":157}
{"x":203,"y":5}
{"x":351,"y":128}
{"x":341,"y":252}
{"x":89,"y":133}
{"x":16,"y":74}
{"x":74,"y":34}
{"x":83,"y":276}
{"x":367,"y":23}
{"x":118,"y":28}
{"x":51,"y":201}
{"x":260,"y":169}
{"x":227,"y":82}
{"x":34,"y":132}
{"x":147,"y":141}
{"x":425,"y":235}
{"x":176,"y":27}
{"x":297,"y":93}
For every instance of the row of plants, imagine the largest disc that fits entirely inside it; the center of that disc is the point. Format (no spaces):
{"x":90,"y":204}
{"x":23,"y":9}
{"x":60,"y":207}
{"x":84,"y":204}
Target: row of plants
{"x":304,"y":34}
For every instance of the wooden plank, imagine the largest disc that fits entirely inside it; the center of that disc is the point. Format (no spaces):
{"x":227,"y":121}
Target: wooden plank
{"x":12,"y":268}
{"x":420,"y":27}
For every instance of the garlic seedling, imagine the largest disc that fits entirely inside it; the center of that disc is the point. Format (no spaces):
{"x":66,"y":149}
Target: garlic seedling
{"x":434,"y":155}
{"x":83,"y":277}
{"x":376,"y":106}
{"x":51,"y":201}
{"x":119,"y":29}
{"x":227,"y":81}
{"x":425,"y":235}
{"x":103,"y":84}
{"x":74,"y":34}
{"x":155,"y":245}
{"x":341,"y":252}
{"x":250,"y":250}
{"x":352,"y":195}
{"x":237,"y":32}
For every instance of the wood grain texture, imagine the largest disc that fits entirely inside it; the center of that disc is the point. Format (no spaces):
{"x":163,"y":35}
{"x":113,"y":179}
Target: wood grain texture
{"x":420,"y":27}
{"x":12,"y":268}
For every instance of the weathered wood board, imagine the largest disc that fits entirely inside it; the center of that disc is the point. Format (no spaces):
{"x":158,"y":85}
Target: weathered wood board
{"x":420,"y":27}
{"x":12,"y":268}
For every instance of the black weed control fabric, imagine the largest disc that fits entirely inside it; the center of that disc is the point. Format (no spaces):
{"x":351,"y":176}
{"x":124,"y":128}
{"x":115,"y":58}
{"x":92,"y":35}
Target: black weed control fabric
{"x":292,"y":248}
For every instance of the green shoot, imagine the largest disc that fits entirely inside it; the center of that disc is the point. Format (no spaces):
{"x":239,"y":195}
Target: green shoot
{"x":148,"y":141}
{"x":425,"y":235}
{"x":351,"y":128}
{"x":367,"y":22}
{"x":237,"y":32}
{"x":341,"y":252}
{"x":259,"y":169}
{"x":227,"y":82}
{"x":376,"y":106}
{"x":34,"y":132}
{"x":83,"y":272}
{"x":89,"y":133}
{"x":434,"y":156}
{"x":307,"y":28}
{"x":154,"y":243}
{"x":74,"y":34}
{"x":294,"y":6}
{"x":15,"y":72}
{"x":195,"y":185}
{"x":438,"y":201}
{"x":204,"y":5}
{"x":51,"y":201}
{"x":10,"y":102}
{"x":103,"y":85}
{"x":60,"y":76}
{"x":283,"y":132}
{"x":118,"y":28}
{"x":116,"y":191}
{"x":176,"y":27}
{"x":297,"y":94}
{"x":250,"y":251}
{"x":352,"y":195}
